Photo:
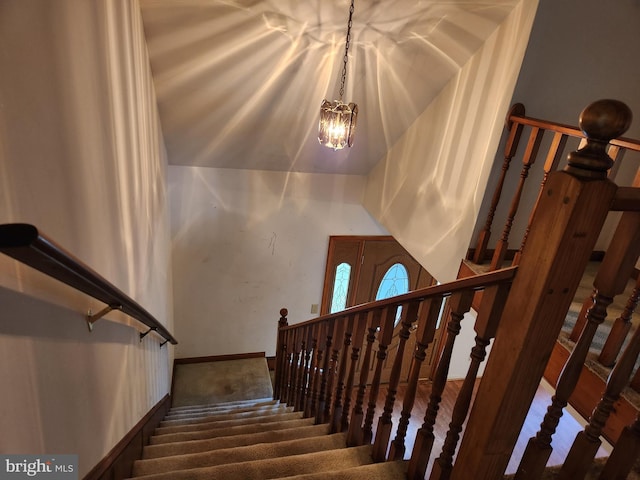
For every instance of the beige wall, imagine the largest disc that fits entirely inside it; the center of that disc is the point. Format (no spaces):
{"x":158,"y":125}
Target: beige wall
{"x":247,"y":243}
{"x":428,"y":189}
{"x":82,"y":158}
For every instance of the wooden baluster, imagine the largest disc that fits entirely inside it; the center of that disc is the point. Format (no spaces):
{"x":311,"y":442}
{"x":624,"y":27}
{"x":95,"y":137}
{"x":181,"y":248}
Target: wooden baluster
{"x":587,"y":442}
{"x":459,"y":304}
{"x":281,"y":353}
{"x":554,"y":156}
{"x":486,"y":325}
{"x":618,"y":264}
{"x":338,"y":332}
{"x":286,"y":371}
{"x":342,"y":372}
{"x":318,"y":371}
{"x":313,"y":367}
{"x":535,"y":138}
{"x":295,"y":365}
{"x":427,"y":321}
{"x":358,"y":337}
{"x":539,"y":447}
{"x":408,"y":315}
{"x":620,"y":329}
{"x":610,"y":281}
{"x":325,"y":372}
{"x":509,"y":151}
{"x":581,"y":321}
{"x":564,"y":231}
{"x":304,"y":370}
{"x":355,"y":435}
{"x":384,"y":339}
{"x":625,"y":453}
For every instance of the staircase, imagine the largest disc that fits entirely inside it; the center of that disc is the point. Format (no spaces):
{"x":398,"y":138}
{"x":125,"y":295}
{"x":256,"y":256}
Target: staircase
{"x":254,"y":439}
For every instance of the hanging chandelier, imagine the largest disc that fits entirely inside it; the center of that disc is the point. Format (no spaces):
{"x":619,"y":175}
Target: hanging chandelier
{"x":338,"y":119}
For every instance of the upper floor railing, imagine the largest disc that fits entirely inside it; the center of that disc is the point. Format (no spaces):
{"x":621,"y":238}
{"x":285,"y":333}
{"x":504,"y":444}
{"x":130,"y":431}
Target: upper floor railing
{"x":545,"y":140}
{"x":28,"y":245}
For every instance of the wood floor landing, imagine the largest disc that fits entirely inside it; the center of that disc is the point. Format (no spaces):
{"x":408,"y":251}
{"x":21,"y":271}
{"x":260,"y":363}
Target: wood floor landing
{"x":567,"y":429}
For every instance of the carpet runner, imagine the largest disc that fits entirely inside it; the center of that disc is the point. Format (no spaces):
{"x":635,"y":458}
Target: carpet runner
{"x":253,"y":440}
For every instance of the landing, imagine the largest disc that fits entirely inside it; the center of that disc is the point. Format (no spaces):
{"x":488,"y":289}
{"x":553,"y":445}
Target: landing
{"x":209,"y":382}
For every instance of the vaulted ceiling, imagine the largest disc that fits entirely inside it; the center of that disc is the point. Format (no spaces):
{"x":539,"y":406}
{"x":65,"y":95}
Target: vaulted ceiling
{"x":239,"y":82}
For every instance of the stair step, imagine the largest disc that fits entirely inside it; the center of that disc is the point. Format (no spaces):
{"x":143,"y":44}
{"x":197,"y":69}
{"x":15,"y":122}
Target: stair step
{"x":234,"y":430}
{"x":240,"y":454}
{"x":225,"y":405}
{"x":271,"y":468}
{"x":219,"y":411}
{"x":179,"y":448}
{"x":377,"y":471}
{"x":207,"y":418}
{"x":266,"y":418}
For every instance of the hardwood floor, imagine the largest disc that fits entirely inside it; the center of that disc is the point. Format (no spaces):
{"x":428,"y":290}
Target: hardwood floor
{"x":566,"y":432}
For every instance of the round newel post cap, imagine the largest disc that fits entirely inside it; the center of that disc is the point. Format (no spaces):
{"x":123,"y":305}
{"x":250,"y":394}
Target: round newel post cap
{"x":284,"y":312}
{"x":601,"y":122}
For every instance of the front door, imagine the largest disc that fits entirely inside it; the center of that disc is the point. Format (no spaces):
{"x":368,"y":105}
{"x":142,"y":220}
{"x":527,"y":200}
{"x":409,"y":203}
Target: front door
{"x":364,"y":269}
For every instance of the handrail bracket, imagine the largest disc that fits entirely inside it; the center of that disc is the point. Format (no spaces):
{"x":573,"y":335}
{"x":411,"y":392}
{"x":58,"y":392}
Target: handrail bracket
{"x":93,"y":318}
{"x":144,"y":334}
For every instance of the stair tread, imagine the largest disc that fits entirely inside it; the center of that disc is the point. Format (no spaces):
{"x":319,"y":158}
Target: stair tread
{"x":225,"y":404}
{"x":209,"y":418}
{"x":223,"y":424}
{"x":220,"y":411}
{"x":194,"y":446}
{"x":272,"y":468}
{"x":396,"y":470}
{"x":230,"y":431}
{"x":240,"y":454}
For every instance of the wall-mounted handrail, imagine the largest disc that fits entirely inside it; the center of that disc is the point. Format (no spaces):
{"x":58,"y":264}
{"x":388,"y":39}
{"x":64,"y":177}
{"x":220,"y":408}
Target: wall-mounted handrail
{"x":26,"y":244}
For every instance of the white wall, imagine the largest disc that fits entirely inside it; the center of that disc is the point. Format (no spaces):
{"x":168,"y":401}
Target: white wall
{"x":247,"y":243}
{"x":82,"y":158}
{"x":428,"y":189}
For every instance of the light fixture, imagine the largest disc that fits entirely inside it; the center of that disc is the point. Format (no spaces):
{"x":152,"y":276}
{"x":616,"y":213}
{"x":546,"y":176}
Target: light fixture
{"x":338,"y":119}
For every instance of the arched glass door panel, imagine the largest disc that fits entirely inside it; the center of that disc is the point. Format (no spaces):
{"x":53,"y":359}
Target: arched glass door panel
{"x":394,"y":282}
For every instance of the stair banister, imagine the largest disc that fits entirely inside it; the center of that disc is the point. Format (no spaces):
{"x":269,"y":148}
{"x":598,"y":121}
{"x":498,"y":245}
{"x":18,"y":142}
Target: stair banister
{"x":336,"y":417}
{"x":565,"y":227}
{"x":616,"y":268}
{"x":358,"y":338}
{"x":384,"y":339}
{"x":427,"y":321}
{"x":355,"y":434}
{"x":30,"y":246}
{"x":383,"y":433}
{"x":458,"y":306}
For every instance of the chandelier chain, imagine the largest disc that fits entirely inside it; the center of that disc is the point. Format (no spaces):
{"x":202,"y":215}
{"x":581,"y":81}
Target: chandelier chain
{"x":346,"y":51}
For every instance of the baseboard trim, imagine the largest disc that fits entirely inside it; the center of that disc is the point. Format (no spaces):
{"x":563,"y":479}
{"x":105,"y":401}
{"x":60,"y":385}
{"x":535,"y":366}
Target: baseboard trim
{"x":118,"y":463}
{"x":218,"y":358}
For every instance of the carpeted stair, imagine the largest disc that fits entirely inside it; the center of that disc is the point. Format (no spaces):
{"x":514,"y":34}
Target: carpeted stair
{"x":252,"y":440}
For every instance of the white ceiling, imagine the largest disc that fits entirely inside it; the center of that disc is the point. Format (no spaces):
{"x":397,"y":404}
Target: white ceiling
{"x":239,"y":82}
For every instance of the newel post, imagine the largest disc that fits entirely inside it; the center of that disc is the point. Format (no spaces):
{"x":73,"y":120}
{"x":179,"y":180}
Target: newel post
{"x":281,"y":353}
{"x":564,"y":229}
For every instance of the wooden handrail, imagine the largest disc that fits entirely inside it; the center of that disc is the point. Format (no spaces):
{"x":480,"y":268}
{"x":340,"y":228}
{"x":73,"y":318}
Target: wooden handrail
{"x":477,"y":282}
{"x":28,"y":245}
{"x":623,"y":142}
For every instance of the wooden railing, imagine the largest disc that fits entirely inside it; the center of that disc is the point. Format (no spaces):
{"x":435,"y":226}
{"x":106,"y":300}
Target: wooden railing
{"x":26,"y":244}
{"x":325,"y":366}
{"x":320,"y":371}
{"x":540,"y":134}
